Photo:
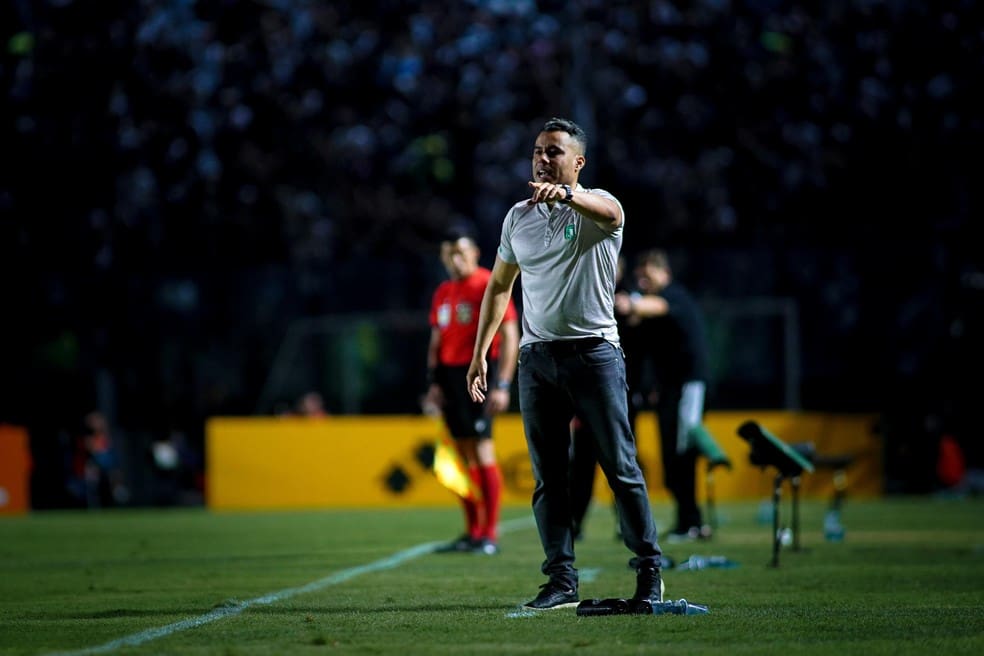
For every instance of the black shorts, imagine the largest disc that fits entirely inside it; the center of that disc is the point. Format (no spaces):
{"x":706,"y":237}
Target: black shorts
{"x":464,"y":417}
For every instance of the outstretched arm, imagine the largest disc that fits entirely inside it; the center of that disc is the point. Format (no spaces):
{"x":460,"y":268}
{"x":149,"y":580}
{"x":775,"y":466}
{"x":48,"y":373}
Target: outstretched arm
{"x":604,"y":212}
{"x":637,"y":306}
{"x":494,"y":304}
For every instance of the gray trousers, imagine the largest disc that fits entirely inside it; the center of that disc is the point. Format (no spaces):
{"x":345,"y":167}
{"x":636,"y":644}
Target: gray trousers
{"x":583,"y":378}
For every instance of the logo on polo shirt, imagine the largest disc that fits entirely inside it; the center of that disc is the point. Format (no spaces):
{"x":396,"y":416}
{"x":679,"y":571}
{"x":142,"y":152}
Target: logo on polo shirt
{"x":569,"y":232}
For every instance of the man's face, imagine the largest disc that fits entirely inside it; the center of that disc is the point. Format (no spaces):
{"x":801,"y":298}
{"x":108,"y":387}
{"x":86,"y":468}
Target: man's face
{"x":557,"y":158}
{"x":460,"y":258}
{"x":652,"y":278}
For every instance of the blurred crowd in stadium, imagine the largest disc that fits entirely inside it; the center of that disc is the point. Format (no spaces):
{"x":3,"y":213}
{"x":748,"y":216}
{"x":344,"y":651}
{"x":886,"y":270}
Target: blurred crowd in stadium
{"x":183,"y":178}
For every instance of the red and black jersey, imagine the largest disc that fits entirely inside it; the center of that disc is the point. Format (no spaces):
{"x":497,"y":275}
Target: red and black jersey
{"x":454,"y":311}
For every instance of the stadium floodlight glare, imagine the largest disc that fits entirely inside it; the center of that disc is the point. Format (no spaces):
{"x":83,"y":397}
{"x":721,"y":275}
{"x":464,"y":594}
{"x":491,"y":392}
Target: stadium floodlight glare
{"x":769,"y":450}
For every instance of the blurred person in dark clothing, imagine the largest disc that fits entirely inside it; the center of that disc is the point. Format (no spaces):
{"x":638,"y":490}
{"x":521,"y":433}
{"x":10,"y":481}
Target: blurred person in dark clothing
{"x":311,"y":404}
{"x":96,"y":465}
{"x":672,"y":338}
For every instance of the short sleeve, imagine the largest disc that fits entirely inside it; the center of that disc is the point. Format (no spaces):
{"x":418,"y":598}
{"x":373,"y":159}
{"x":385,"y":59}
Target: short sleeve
{"x":505,"y":250}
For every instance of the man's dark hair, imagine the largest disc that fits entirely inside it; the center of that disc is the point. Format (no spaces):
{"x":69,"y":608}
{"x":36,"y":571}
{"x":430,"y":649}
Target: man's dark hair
{"x":457,"y":231}
{"x":656,"y":257}
{"x":557,"y":124}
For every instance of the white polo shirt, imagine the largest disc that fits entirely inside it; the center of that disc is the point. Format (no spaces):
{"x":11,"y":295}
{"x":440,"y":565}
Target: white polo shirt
{"x":568,"y":265}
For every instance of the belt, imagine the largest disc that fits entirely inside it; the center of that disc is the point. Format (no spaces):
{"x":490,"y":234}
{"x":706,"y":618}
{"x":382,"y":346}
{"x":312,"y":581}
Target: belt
{"x":568,"y":346}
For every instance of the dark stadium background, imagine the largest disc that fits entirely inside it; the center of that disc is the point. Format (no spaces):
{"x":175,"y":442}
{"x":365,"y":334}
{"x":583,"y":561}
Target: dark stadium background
{"x":183,"y":181}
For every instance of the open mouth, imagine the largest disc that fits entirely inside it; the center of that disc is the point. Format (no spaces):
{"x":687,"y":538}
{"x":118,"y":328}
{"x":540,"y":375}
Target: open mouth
{"x":544,"y":175}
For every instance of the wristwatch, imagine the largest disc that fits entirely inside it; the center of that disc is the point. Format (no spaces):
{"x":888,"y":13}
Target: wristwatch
{"x":568,"y":193}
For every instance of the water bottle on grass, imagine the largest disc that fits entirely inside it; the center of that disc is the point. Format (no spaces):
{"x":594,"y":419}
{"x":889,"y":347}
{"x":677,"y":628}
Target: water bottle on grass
{"x":833,"y":530}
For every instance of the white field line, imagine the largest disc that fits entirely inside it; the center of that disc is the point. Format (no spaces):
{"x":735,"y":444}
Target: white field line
{"x":136,"y":639}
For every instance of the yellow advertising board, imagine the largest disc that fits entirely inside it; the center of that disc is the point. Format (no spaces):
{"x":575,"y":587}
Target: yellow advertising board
{"x":373,"y":461}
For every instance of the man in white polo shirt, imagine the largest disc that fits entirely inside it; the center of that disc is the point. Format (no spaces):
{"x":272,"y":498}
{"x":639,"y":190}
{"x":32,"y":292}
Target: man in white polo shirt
{"x":565,"y":241}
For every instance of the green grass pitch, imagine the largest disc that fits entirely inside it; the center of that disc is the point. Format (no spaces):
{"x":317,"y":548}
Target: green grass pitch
{"x":907,"y":579}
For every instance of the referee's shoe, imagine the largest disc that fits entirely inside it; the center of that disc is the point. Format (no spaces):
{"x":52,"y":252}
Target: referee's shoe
{"x":464,"y":544}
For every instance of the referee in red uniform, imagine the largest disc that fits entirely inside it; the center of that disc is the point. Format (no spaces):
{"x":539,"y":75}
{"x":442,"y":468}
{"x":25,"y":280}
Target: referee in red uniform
{"x":454,"y":325}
